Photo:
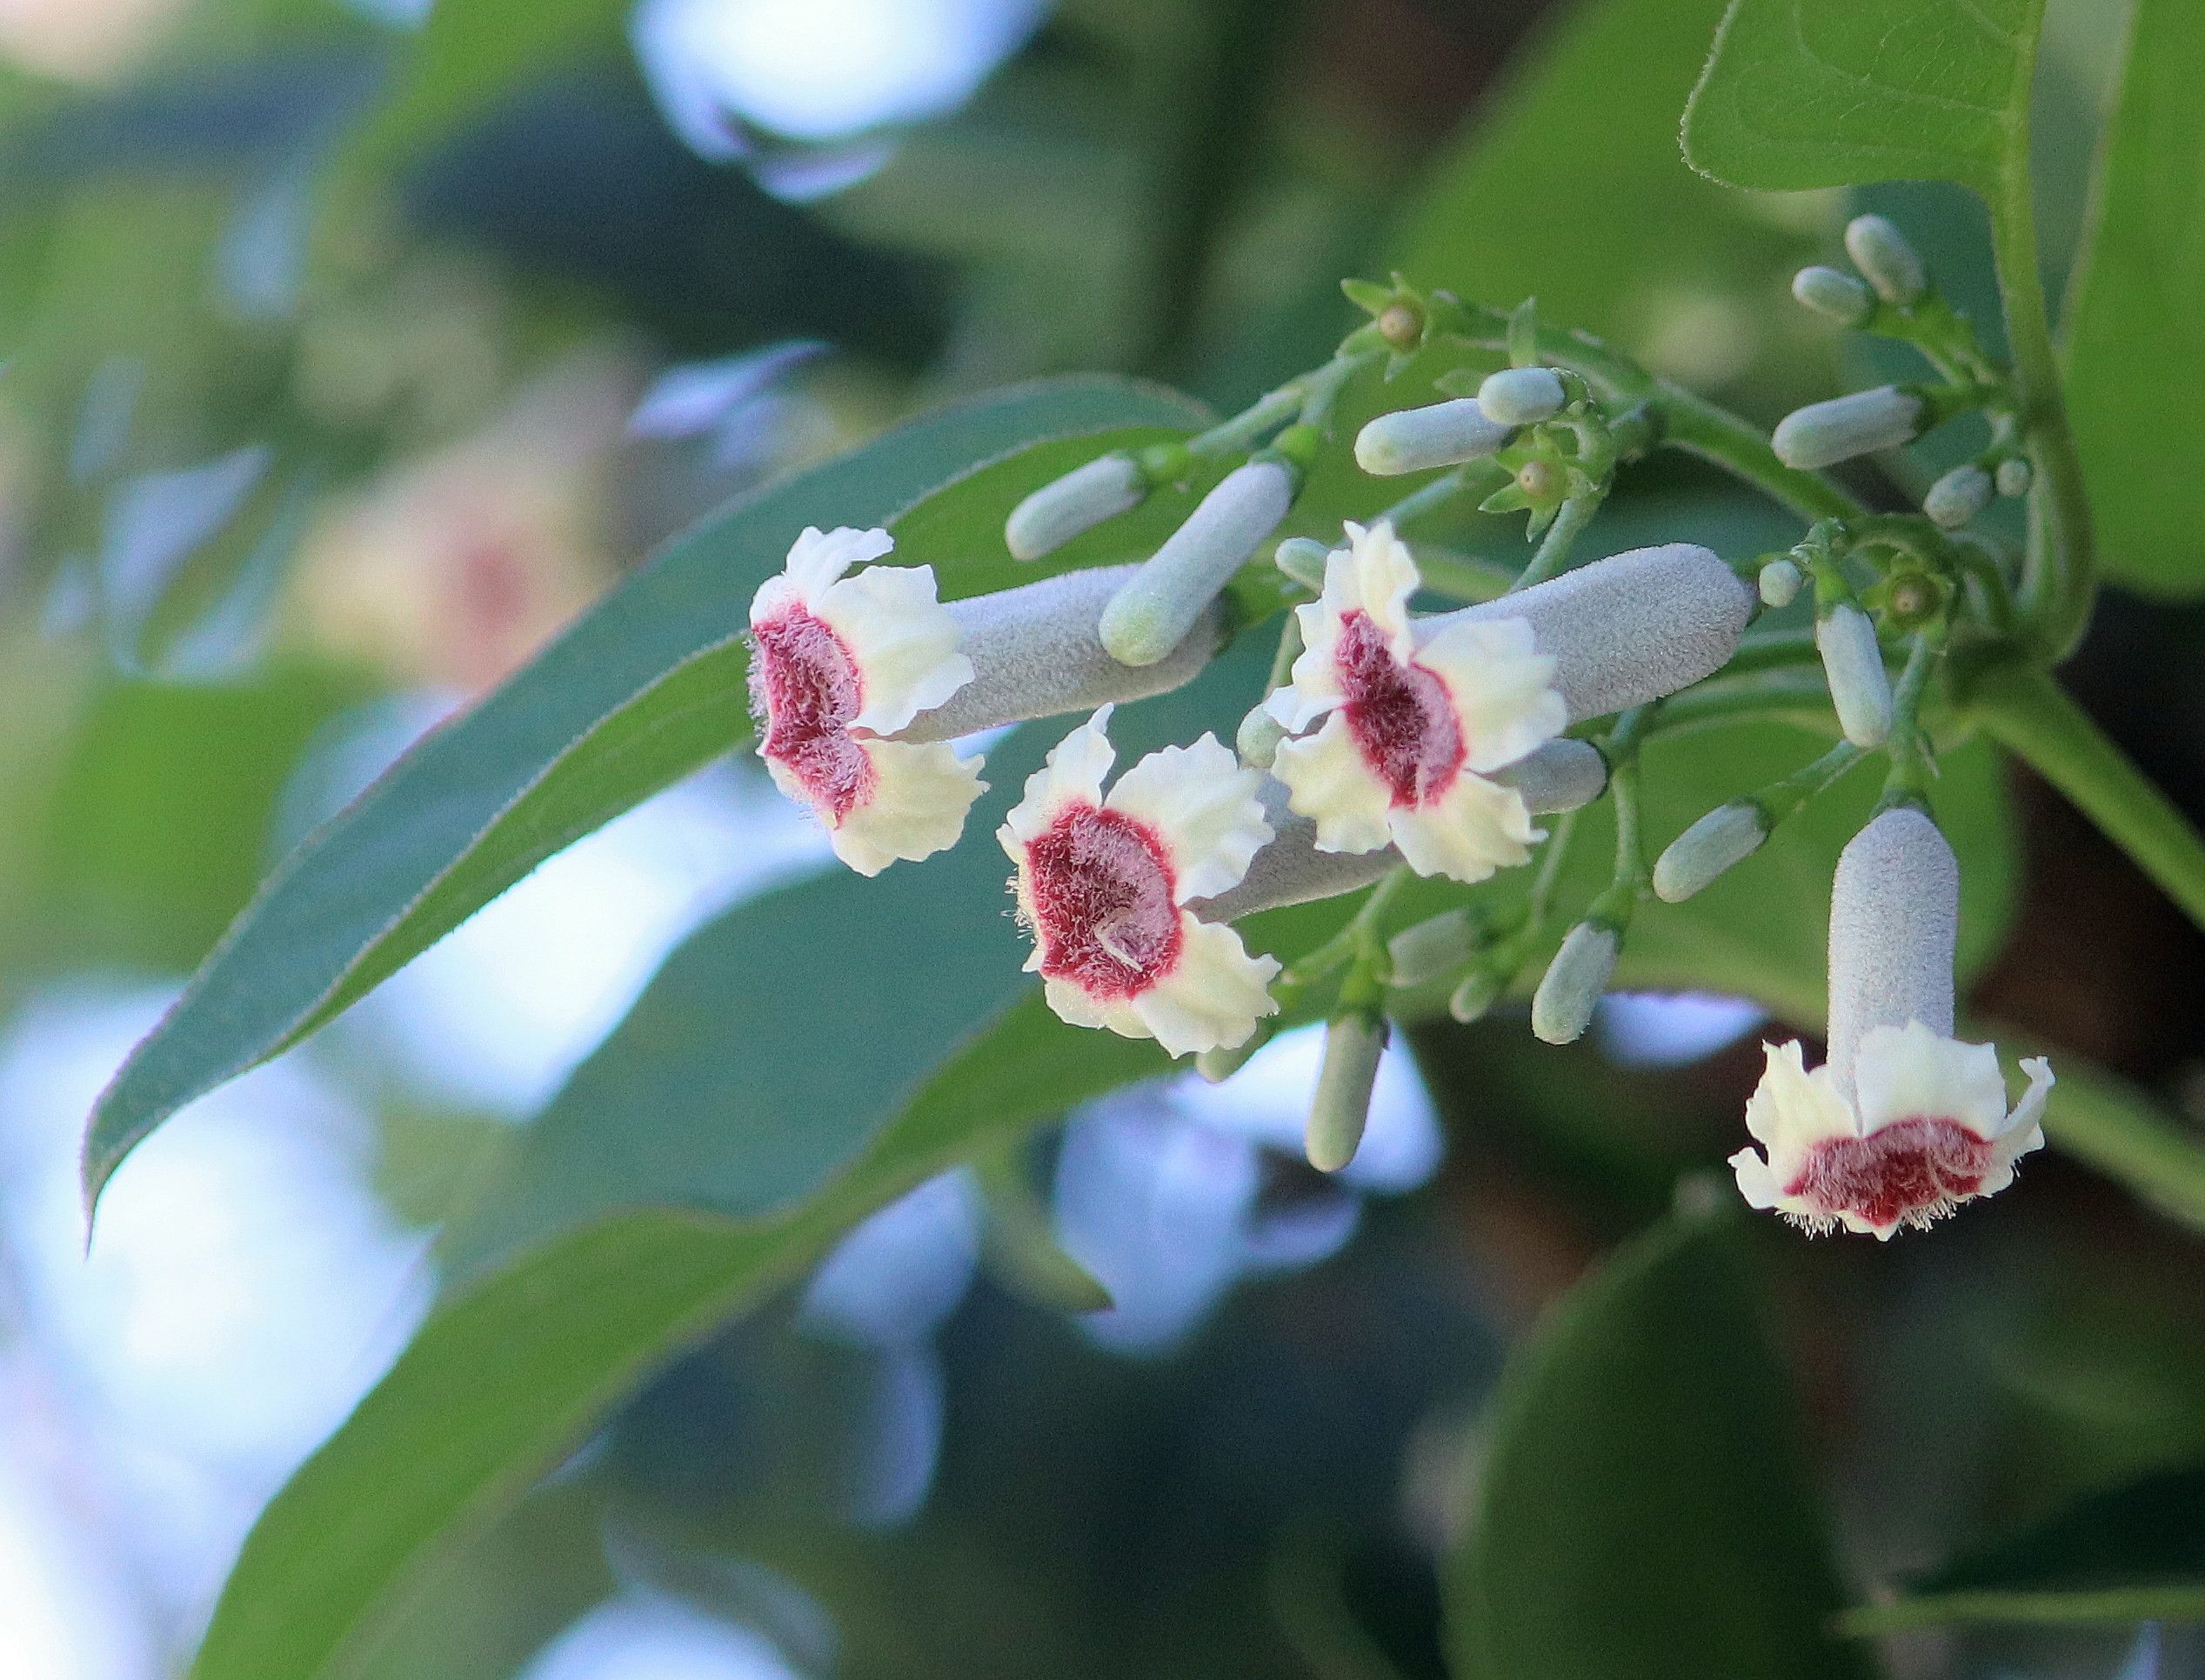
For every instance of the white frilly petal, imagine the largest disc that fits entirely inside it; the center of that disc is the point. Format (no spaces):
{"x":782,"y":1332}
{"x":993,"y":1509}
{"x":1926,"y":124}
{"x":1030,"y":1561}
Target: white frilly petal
{"x":1474,"y":829}
{"x":1214,"y":995}
{"x":1072,"y":773}
{"x":1910,"y":1073}
{"x":1502,"y":686}
{"x":1376,"y":575}
{"x":817,"y":559}
{"x":1327,"y":781}
{"x":1203,"y":803}
{"x":921,"y":799}
{"x":902,"y":639}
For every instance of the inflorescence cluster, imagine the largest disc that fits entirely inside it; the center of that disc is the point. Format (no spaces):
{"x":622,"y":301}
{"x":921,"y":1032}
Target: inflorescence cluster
{"x":1392,"y":742}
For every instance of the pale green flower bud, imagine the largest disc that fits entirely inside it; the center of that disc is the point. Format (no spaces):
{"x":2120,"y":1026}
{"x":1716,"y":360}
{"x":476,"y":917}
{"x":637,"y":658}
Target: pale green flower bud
{"x":1780,"y":582}
{"x":1727,"y":835}
{"x":1341,"y":1105}
{"x":1073,"y":505}
{"x":1475,"y":997}
{"x":2014,"y":476}
{"x":1837,"y":296}
{"x":1438,"y":945}
{"x":1443,"y":435}
{"x":1823,"y":434}
{"x":1885,"y":258}
{"x":1521,"y":396}
{"x":1303,"y":559}
{"x":1894,"y":925}
{"x":1562,"y":1007}
{"x":1958,"y":497}
{"x":1216,"y":1066}
{"x":1153,"y":612}
{"x":1859,"y":687}
{"x":1258,"y":737}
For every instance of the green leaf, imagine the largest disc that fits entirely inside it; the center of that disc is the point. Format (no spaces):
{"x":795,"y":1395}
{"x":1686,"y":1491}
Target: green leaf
{"x":2136,"y":315}
{"x":507,"y":1378}
{"x":2127,"y":1554}
{"x":1833,"y":93}
{"x":1644,"y":1510}
{"x":647,"y":686}
{"x":1513,"y":209}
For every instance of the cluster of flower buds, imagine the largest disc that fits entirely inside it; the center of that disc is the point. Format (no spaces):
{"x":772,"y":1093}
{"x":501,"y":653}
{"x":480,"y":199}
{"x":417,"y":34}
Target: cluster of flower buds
{"x":1894,"y":297}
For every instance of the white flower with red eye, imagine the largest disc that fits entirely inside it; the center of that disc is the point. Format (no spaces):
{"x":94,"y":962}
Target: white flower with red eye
{"x":1103,"y":883}
{"x":1927,"y":1127}
{"x":1414,"y":733}
{"x":1904,"y":1122}
{"x":836,"y":663}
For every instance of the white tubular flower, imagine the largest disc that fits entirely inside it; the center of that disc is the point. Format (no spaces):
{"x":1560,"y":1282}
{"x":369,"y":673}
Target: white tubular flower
{"x":1904,"y":1122}
{"x":1882,"y":255}
{"x":1103,"y":883}
{"x":1521,"y":396}
{"x":1437,"y":435}
{"x":1414,"y":733}
{"x":1161,"y":602}
{"x":1073,"y":505}
{"x":839,"y":662}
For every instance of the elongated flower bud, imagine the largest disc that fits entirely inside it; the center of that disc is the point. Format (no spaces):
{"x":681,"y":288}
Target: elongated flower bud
{"x":1562,"y":1007}
{"x":1073,"y":505}
{"x":1823,"y":434}
{"x":1958,"y":497}
{"x":1521,"y":396}
{"x":1561,"y":776}
{"x":1894,"y":925}
{"x":1341,"y":1107}
{"x":1727,"y":835}
{"x":1439,"y":944}
{"x":1161,"y":603}
{"x":1780,"y":582}
{"x":1860,"y":688}
{"x":1629,"y":629}
{"x":2014,"y":476}
{"x":1037,"y":651}
{"x":1885,"y":258}
{"x":1303,"y":559}
{"x":1477,"y":995}
{"x":1443,"y":435}
{"x":1834,"y":296}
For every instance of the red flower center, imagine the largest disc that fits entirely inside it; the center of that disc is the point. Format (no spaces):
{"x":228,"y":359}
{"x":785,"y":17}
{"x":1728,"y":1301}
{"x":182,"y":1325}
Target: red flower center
{"x":1101,"y":892}
{"x":1910,"y":1168}
{"x":807,"y":687}
{"x":1401,"y":715}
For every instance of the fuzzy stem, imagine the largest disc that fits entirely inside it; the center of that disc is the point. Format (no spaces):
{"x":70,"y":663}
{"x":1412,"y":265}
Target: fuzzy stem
{"x":2022,"y":708}
{"x":1553,"y":555}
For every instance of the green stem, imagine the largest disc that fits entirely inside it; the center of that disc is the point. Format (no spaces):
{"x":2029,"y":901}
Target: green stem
{"x":1464,"y":576}
{"x":1261,"y":418}
{"x":2022,"y":708}
{"x":1553,"y":555}
{"x":1687,"y":420}
{"x":2058,"y":577}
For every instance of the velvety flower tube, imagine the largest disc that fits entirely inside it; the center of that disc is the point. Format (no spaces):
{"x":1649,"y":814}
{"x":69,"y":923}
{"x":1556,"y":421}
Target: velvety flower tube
{"x":1158,"y":606}
{"x":1903,"y":1123}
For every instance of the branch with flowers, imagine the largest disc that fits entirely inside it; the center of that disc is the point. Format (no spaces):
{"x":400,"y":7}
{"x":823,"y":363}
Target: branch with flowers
{"x":1391,"y":742}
